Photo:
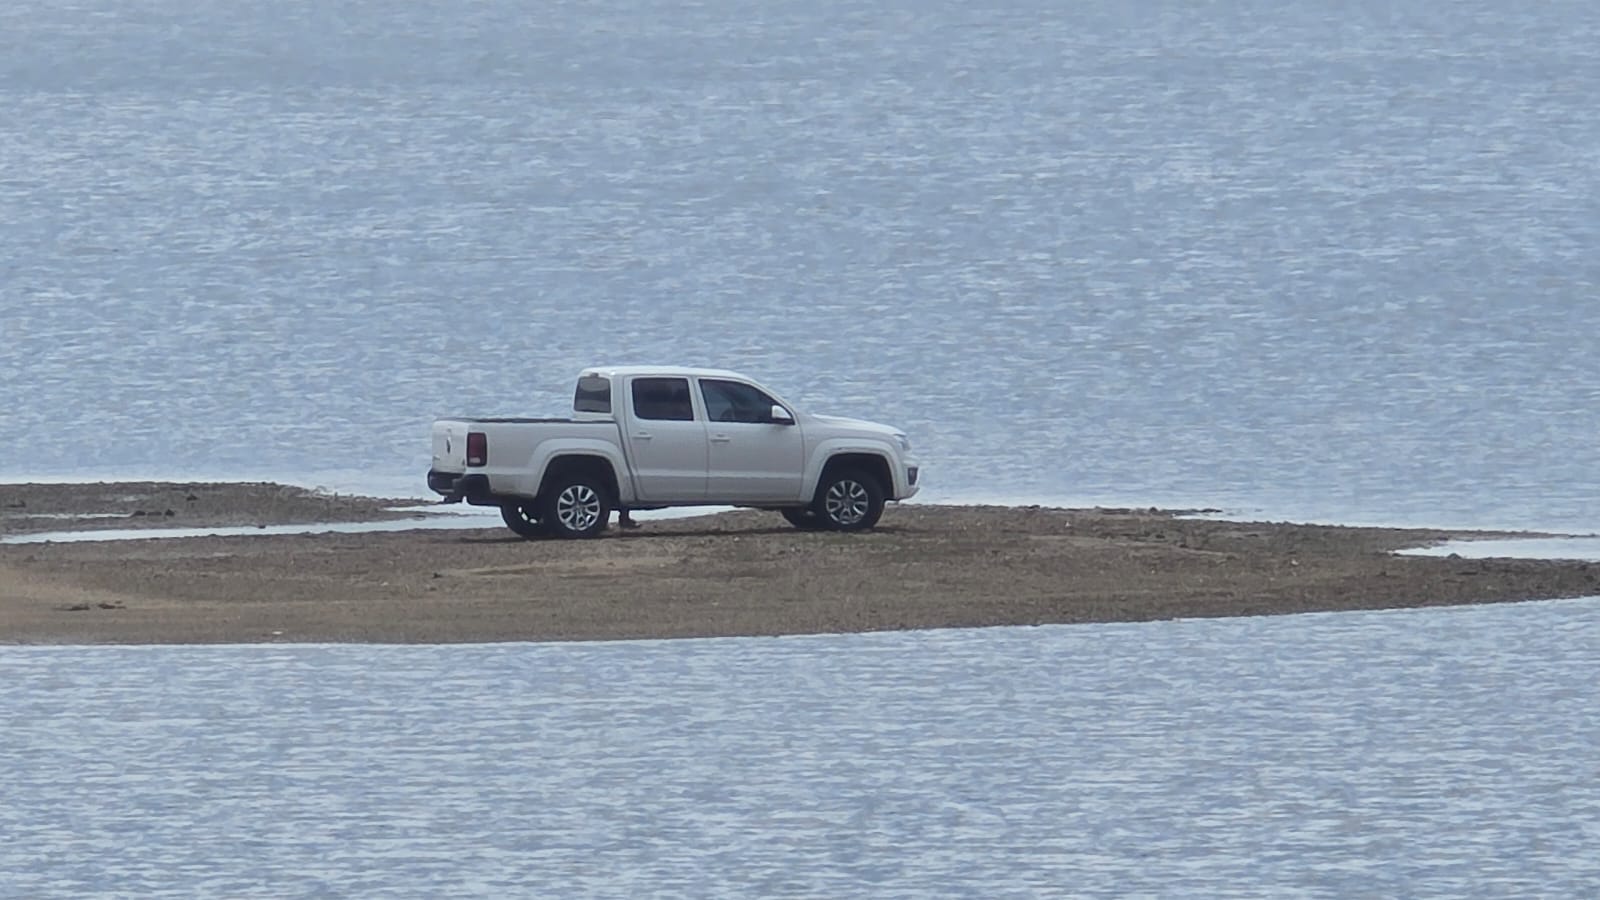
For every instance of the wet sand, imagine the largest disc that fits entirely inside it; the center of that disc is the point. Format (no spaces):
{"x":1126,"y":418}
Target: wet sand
{"x":739,"y":573}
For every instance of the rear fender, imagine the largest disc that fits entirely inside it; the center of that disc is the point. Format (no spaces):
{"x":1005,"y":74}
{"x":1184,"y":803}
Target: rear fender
{"x":549,"y":451}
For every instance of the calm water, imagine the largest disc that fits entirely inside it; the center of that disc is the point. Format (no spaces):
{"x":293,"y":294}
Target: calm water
{"x":1333,"y":261}
{"x":1296,"y":259}
{"x":1449,"y":753}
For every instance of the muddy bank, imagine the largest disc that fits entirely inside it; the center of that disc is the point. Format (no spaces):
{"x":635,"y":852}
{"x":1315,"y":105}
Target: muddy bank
{"x":31,"y":508}
{"x":741,"y":573}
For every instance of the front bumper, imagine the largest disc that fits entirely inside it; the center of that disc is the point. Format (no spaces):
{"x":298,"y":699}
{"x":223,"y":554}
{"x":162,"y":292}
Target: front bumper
{"x":911,"y":474}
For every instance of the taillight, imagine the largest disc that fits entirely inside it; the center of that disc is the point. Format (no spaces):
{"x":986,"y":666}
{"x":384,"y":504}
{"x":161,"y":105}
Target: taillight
{"x":477,"y":448}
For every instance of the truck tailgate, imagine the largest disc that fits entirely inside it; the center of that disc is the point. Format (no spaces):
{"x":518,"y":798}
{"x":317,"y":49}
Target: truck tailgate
{"x":450,"y":445}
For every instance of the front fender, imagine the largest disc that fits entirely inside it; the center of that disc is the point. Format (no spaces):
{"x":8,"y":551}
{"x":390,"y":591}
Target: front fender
{"x":833,"y":447}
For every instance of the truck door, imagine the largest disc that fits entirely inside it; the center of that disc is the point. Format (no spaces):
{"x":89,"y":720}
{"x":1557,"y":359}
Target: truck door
{"x":752,"y":458}
{"x":666,"y":442}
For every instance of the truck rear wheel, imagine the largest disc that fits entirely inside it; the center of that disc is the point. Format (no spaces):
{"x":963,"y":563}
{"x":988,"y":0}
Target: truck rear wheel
{"x":523,"y":518}
{"x":848,"y":500}
{"x":574,"y":506}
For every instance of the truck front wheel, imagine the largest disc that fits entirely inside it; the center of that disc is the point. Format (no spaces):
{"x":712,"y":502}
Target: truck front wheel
{"x":523,"y":518}
{"x":848,"y":500}
{"x":574,"y":506}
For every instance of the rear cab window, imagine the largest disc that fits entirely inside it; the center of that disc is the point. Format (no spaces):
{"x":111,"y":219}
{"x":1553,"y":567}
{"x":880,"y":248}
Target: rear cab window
{"x":593,"y":395}
{"x":663,"y":399}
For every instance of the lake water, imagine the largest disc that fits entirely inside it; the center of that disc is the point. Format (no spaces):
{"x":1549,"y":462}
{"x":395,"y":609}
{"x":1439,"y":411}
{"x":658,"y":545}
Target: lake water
{"x":1282,"y":258}
{"x":1295,"y":260}
{"x":1448,"y":753}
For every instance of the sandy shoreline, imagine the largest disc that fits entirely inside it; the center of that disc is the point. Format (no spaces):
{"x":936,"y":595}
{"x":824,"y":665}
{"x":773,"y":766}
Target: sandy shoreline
{"x":740,"y":573}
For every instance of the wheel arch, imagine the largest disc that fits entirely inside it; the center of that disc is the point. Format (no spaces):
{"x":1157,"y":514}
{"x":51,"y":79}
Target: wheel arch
{"x":868,"y":461}
{"x":574,"y":462}
{"x":557,"y":457}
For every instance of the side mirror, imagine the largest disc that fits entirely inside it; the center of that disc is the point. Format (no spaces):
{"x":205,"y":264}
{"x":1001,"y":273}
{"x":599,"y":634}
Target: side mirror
{"x":780,"y":416}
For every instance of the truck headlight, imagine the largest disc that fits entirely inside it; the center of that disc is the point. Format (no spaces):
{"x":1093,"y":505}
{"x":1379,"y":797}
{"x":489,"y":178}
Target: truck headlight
{"x":905,"y":442}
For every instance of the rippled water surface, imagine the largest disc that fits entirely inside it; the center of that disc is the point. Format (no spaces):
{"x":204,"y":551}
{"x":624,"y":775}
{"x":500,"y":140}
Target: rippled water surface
{"x":1447,"y":753}
{"x":1330,"y":261}
{"x":1300,"y":259}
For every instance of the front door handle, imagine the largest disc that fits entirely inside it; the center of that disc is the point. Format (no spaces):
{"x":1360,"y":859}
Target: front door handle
{"x":641,"y":435}
{"x":720,"y":439}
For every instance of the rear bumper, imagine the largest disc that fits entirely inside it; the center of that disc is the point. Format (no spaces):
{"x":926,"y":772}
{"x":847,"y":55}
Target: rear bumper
{"x":458,"y":486}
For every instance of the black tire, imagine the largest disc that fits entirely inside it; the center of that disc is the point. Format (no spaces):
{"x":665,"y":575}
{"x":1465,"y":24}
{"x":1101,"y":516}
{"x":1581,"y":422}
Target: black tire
{"x":574,"y":506}
{"x":523,"y":518}
{"x":848,"y":500}
{"x":802,"y":517}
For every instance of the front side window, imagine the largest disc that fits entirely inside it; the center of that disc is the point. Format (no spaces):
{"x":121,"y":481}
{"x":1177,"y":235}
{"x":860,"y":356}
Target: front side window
{"x":731,"y":401}
{"x":663,"y":398}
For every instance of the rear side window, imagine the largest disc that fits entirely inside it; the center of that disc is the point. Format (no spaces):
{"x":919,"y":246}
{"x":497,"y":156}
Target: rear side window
{"x":594,"y":395}
{"x":663,"y":398}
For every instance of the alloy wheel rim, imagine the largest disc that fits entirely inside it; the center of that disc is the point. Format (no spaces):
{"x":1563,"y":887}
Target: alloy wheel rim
{"x":846,"y":502}
{"x":578,"y":507}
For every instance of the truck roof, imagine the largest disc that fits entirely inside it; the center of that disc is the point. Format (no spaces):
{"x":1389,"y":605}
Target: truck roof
{"x":685,"y":371}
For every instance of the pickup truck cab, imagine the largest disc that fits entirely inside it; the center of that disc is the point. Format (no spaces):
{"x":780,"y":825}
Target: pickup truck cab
{"x":649,"y":438}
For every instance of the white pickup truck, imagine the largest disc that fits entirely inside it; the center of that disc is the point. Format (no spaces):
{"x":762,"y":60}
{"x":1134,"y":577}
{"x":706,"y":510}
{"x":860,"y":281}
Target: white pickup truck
{"x":649,"y":438}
